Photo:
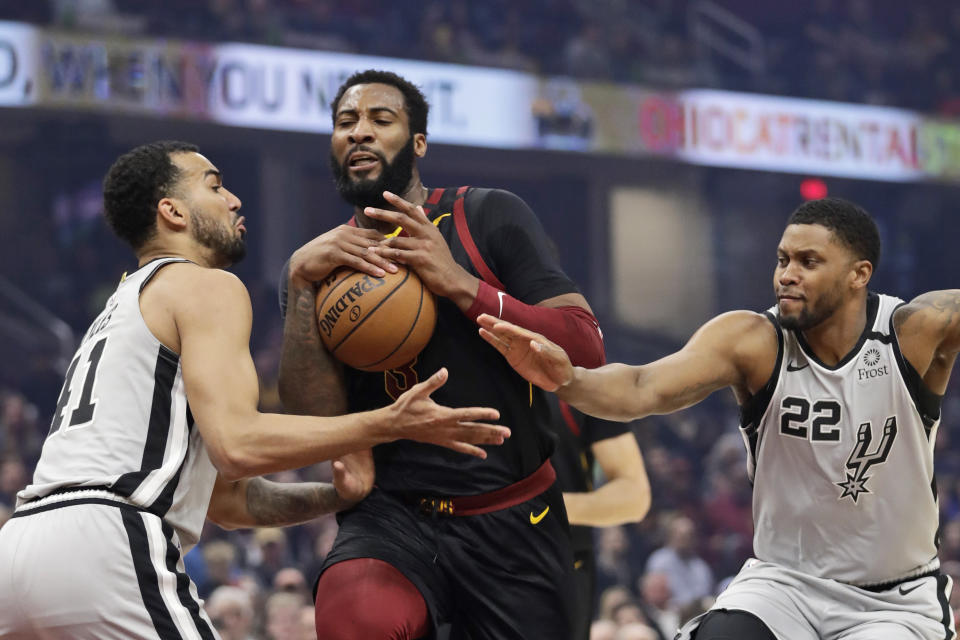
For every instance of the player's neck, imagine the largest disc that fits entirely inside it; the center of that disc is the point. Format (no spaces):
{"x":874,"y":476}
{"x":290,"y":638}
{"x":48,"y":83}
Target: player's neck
{"x":832,"y":339}
{"x":194,"y":253}
{"x":415,"y":193}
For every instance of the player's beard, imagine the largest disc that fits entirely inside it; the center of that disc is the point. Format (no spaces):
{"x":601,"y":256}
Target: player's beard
{"x":394,"y":177}
{"x":812,"y":315}
{"x":228,"y":248}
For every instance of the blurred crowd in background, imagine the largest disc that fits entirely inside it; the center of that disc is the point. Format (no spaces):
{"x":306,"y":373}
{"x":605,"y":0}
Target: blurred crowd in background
{"x":651,"y":575}
{"x":868,"y":51}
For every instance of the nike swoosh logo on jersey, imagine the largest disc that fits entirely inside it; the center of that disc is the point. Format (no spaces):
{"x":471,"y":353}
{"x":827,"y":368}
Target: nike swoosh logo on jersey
{"x":904,"y":592}
{"x":536,"y":519}
{"x":793,"y":367}
{"x":500,"y":298}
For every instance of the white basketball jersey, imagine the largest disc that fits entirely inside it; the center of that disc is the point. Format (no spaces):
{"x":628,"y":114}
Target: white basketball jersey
{"x":123,"y":422}
{"x":841,"y":459}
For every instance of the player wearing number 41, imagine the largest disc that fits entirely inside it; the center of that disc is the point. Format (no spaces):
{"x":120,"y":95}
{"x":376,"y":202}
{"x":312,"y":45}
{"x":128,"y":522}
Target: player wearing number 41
{"x":839,"y":390}
{"x":443,"y":544}
{"x":157,"y":427}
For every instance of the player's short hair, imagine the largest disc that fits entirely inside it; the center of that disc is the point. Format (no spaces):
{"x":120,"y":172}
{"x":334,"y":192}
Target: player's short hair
{"x":413,"y":99}
{"x":136,"y":182}
{"x":850,"y":223}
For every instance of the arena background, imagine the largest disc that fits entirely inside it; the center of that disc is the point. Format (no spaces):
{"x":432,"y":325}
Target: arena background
{"x":662,"y":144}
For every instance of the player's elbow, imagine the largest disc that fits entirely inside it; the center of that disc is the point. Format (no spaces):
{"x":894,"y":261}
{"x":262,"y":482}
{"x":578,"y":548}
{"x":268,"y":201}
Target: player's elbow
{"x":224,"y":523}
{"x":233,"y":462}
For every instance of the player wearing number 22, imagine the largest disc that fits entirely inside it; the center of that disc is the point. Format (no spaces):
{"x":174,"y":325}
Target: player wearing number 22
{"x":444,"y":545}
{"x":839,"y":391}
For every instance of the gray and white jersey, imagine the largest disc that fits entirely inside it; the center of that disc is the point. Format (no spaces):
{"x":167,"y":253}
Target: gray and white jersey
{"x":123,"y":421}
{"x":841,"y":459}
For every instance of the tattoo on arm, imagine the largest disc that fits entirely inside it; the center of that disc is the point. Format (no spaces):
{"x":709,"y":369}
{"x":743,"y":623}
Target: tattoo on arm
{"x":275,"y":504}
{"x":311,"y":381}
{"x":945,"y":304}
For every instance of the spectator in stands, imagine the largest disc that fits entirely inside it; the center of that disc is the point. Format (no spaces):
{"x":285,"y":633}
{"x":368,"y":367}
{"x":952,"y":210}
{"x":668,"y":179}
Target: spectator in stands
{"x":612,"y":568}
{"x":655,"y":602}
{"x":231,"y":611}
{"x":13,"y":478}
{"x":628,"y":612}
{"x":220,"y":557}
{"x":635,"y":631}
{"x":291,"y":580}
{"x":689,"y":575}
{"x":603,"y":630}
{"x":307,"y":625}
{"x":283,"y":615}
{"x":586,"y":55}
{"x":273,"y":553}
{"x":610,"y":599}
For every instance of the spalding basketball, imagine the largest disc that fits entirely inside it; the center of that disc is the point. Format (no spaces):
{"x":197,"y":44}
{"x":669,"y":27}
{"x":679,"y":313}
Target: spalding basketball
{"x":375,"y":324}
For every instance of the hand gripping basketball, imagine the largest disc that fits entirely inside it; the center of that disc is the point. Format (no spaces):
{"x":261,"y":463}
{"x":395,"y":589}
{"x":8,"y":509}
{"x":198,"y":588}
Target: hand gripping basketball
{"x":418,"y":417}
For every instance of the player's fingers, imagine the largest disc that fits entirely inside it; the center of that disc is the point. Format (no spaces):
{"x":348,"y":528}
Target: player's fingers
{"x":365,"y":265}
{"x":432,"y":383}
{"x":463,"y":447}
{"x":371,"y":255}
{"x":494,"y":339}
{"x":504,"y":329}
{"x":360,"y":234}
{"x":412,"y":210}
{"x":474,"y":414}
{"x":399,"y":242}
{"x":487,"y":321}
{"x":393,"y":217}
{"x":480,"y":433}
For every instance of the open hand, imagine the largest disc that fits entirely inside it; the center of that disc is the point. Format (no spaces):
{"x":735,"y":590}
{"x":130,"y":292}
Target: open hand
{"x":418,"y":417}
{"x":532,"y":356}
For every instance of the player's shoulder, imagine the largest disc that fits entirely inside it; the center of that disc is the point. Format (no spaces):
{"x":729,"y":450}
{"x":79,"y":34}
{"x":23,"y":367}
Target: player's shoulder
{"x":744,"y":323}
{"x":189,"y":285}
{"x":750,"y":338}
{"x":932,"y":307}
{"x":482,"y":199}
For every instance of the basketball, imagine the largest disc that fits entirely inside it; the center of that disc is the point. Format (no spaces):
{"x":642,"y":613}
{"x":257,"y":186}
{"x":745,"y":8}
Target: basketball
{"x":375,"y":324}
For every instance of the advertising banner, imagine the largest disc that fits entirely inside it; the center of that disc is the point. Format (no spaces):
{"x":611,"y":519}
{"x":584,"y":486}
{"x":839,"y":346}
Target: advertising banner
{"x":277,"y":88}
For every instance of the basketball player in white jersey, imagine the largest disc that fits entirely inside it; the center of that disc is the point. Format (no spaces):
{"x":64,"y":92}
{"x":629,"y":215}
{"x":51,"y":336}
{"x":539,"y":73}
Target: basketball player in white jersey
{"x":839,"y":390}
{"x":157,"y":426}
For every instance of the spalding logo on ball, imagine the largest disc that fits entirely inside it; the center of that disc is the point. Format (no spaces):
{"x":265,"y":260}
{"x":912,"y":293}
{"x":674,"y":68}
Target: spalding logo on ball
{"x":375,"y":324}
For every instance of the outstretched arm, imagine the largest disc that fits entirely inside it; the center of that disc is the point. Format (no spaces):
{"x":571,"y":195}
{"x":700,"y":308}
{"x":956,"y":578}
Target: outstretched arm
{"x":221,"y":383}
{"x":735,"y":349}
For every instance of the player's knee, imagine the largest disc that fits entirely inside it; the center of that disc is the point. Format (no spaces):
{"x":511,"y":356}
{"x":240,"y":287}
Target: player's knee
{"x":721,"y":624}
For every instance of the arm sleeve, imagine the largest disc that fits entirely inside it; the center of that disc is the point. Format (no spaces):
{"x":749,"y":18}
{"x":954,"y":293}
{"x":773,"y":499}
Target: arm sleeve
{"x":573,"y":328}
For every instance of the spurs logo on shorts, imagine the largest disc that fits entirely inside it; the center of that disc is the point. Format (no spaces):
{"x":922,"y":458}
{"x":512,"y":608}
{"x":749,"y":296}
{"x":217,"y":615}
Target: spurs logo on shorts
{"x":860,"y":460}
